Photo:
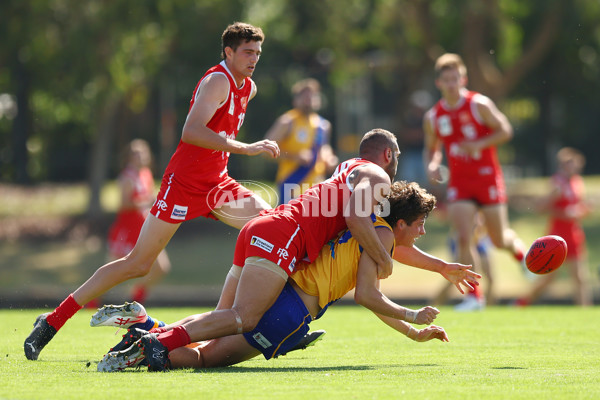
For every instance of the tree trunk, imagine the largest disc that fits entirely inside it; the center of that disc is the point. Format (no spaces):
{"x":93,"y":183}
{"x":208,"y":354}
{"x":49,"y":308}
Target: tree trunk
{"x":105,"y":128}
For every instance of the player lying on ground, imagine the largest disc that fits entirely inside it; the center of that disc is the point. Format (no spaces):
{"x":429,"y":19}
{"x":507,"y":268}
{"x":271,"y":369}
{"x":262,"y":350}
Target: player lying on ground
{"x":340,"y":267}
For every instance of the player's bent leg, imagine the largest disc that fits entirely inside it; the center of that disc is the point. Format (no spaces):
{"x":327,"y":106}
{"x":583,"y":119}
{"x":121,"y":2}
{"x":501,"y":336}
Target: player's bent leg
{"x":259,"y":286}
{"x":229,"y":288}
{"x":221,"y":352}
{"x":154,"y":236}
{"x":462,"y":216}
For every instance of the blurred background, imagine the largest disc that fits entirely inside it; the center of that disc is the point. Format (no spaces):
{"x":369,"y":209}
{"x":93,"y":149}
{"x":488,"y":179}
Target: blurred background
{"x":80,"y":79}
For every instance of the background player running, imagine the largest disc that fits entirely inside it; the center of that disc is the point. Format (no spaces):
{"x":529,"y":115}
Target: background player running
{"x":469,"y":126}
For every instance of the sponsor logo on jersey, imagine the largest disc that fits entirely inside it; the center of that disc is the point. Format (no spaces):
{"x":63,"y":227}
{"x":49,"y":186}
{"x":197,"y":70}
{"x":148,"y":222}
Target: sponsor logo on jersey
{"x":292,"y":265}
{"x":261,"y":243}
{"x":260,"y":339}
{"x":179,"y":212}
{"x":161,"y":205}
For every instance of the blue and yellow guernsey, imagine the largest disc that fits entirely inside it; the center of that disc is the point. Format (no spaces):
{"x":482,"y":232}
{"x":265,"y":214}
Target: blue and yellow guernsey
{"x":333,"y":273}
{"x":307,"y":133}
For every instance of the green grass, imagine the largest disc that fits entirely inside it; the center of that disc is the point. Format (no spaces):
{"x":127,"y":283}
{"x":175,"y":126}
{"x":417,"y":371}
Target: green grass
{"x":501,"y":353}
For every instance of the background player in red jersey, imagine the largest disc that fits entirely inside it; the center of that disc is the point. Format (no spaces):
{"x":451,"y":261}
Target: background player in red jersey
{"x":567,"y":207}
{"x":136,"y":183}
{"x":199,"y":165}
{"x":469,"y":126}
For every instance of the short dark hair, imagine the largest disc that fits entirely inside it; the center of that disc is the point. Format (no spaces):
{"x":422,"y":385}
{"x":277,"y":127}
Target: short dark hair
{"x":238,"y":33}
{"x":376,"y":140}
{"x":308,"y":83}
{"x":408,"y":201}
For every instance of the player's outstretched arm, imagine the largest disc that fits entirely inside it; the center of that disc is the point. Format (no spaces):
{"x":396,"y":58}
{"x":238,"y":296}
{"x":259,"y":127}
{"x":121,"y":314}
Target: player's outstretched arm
{"x":418,"y":335}
{"x":457,"y":274}
{"x":368,"y":295}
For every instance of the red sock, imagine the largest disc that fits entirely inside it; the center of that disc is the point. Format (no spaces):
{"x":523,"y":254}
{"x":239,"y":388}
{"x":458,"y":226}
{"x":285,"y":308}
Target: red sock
{"x":63,"y":312}
{"x":475,"y":292}
{"x":519,"y":255}
{"x":177,"y":337}
{"x":139,"y":294}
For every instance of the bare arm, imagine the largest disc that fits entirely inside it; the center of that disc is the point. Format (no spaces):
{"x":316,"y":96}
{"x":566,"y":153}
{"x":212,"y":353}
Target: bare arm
{"x":432,"y":151}
{"x":368,"y":295}
{"x":371,"y":187}
{"x":212,"y":92}
{"x":496,"y":121}
{"x":458,"y":274}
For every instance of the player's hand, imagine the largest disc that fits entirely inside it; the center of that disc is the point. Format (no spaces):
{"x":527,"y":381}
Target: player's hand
{"x":470,"y":147}
{"x":461,"y":274}
{"x":432,"y":332}
{"x":305,"y":157}
{"x":385,"y":270}
{"x":426,"y":315}
{"x":434,"y":175}
{"x":269,"y":147}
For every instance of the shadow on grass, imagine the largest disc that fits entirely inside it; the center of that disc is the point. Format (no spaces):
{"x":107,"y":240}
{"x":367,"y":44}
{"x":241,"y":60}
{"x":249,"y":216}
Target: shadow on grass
{"x":239,"y":370}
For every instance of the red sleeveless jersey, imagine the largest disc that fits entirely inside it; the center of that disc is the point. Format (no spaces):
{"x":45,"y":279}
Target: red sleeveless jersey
{"x":200,"y":166}
{"x":319,"y":211}
{"x":458,"y":124}
{"x":571,"y":192}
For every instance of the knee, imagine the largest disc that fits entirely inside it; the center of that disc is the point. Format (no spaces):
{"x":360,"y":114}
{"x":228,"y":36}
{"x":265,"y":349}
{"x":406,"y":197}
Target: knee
{"x":136,"y":267}
{"x":247,"y":320}
{"x":463,"y":240}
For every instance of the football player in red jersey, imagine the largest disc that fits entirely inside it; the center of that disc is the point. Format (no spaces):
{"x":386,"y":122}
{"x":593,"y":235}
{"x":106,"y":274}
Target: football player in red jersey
{"x":469,"y":127}
{"x":199,"y":165}
{"x":269,"y":246}
{"x":567,"y":207}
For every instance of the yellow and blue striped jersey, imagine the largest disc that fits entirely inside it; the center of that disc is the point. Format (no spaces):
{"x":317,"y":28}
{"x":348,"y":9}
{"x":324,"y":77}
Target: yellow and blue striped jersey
{"x":306,"y":134}
{"x":333,"y":273}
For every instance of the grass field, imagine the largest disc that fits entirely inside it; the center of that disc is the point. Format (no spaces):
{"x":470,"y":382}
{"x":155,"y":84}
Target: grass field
{"x":501,"y":353}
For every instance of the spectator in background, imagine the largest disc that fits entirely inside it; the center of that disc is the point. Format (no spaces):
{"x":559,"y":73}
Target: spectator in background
{"x":567,"y":208}
{"x":136,"y":184}
{"x":304,"y":138}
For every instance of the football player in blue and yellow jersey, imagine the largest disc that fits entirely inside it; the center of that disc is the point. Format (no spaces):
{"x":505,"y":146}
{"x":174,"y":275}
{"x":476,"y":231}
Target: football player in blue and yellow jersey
{"x":303,"y":137}
{"x":341,"y":267}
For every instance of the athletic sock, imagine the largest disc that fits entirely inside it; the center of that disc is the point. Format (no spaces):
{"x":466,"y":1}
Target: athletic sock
{"x":177,"y":337}
{"x":139,"y":294}
{"x":519,"y":255}
{"x":63,"y":312}
{"x":162,"y":329}
{"x":150,"y":323}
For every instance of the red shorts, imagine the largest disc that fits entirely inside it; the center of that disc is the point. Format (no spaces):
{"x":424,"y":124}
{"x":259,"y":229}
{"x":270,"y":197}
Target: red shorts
{"x":124,"y":232}
{"x":178,"y":201}
{"x":276,"y":238}
{"x":484,"y":190}
{"x":573,"y":235}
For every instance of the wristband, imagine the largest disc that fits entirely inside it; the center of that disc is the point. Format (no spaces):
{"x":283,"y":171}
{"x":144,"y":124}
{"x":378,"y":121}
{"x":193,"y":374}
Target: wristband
{"x":411,"y":315}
